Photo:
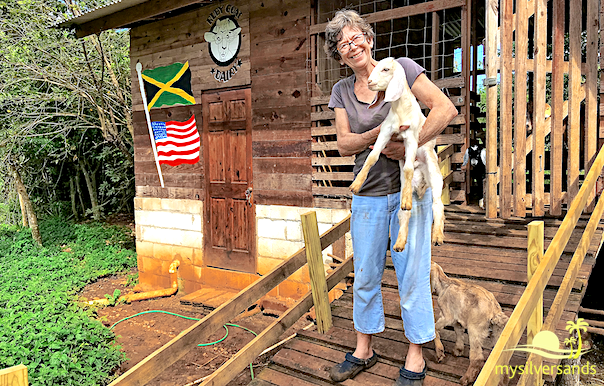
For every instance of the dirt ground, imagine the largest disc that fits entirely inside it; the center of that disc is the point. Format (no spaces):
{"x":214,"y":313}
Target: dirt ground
{"x":142,"y":335}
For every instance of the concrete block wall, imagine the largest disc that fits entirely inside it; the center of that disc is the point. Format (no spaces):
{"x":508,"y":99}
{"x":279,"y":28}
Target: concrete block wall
{"x":279,"y":231}
{"x":169,"y":229}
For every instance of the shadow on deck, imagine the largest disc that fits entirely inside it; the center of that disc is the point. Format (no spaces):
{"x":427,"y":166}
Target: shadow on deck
{"x":491,"y":253}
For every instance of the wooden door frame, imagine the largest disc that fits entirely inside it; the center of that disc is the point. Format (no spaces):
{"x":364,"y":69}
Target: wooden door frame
{"x":206,"y":180}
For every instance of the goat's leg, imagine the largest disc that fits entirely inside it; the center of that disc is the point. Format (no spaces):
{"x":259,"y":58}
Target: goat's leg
{"x":438,"y":327}
{"x":459,"y":346}
{"x":403,"y":230}
{"x":381,"y":142}
{"x":435,"y":180}
{"x":407,"y":174}
{"x":477,"y":333}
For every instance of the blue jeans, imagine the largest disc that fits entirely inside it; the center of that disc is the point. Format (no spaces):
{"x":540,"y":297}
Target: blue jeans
{"x":373,"y":220}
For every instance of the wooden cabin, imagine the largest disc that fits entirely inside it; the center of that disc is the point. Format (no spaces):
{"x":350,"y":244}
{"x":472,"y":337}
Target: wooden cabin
{"x":268,"y":145}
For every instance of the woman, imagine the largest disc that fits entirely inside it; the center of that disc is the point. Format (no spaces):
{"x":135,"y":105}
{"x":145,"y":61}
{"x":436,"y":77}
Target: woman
{"x":349,"y":40}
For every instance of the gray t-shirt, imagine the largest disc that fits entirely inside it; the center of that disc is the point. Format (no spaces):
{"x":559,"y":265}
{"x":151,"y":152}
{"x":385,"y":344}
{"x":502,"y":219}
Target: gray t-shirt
{"x":384,"y":176}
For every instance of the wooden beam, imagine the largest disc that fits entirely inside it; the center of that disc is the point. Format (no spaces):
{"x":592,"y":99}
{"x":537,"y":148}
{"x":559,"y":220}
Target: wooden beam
{"x":557,"y":307}
{"x":316,"y":270}
{"x":333,"y":161}
{"x":178,"y":347}
{"x":492,"y":14}
{"x":133,"y":14}
{"x":269,"y":336}
{"x":397,"y":13}
{"x":518,"y":320}
{"x":14,"y":376}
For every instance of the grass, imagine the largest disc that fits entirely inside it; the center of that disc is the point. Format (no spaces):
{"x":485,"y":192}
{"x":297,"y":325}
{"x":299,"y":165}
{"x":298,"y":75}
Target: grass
{"x":41,"y":325}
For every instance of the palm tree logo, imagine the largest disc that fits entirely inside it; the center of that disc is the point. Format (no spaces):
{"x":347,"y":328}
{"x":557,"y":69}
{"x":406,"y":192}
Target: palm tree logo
{"x":579,"y":326}
{"x":547,"y":344}
{"x":569,"y":342}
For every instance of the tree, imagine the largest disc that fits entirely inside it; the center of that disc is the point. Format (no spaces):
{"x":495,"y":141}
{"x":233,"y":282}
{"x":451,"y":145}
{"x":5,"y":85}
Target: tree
{"x":65,"y":103}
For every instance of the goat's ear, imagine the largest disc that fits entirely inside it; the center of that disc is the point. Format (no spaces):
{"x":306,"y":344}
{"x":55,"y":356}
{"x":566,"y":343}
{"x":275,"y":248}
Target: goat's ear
{"x":397,"y":85}
{"x":378,"y":98}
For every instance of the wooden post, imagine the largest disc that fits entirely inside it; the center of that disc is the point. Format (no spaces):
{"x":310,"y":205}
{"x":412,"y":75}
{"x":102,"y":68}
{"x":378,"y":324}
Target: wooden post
{"x":318,"y":283}
{"x":591,"y":98}
{"x":574,"y":99}
{"x":491,"y":11}
{"x":555,"y":207}
{"x":519,"y":187}
{"x":435,"y":43}
{"x":445,"y":170}
{"x":535,"y":322}
{"x":505,"y":127}
{"x":14,"y":376}
{"x":538,"y":141}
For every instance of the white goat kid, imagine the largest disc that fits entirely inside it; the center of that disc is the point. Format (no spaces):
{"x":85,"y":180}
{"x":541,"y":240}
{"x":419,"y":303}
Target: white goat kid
{"x":389,"y":79}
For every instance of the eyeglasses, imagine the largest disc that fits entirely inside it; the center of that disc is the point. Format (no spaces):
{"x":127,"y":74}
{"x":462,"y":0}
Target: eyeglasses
{"x":357,"y":40}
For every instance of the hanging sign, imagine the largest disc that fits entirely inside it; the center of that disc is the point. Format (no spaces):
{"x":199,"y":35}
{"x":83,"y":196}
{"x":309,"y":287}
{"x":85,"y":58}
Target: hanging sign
{"x":224,"y":41}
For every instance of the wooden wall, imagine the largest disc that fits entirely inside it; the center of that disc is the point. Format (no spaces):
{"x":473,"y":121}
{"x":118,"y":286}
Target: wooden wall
{"x":274,"y":53}
{"x":280,"y":102}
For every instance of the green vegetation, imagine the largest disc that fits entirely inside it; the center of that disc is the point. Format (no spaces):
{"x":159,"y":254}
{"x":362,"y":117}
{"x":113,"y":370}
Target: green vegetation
{"x":41,"y":324}
{"x":65,"y":117}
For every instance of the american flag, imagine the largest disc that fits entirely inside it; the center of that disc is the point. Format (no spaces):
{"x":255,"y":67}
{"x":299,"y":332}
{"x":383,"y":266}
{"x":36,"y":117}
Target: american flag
{"x":177,"y":142}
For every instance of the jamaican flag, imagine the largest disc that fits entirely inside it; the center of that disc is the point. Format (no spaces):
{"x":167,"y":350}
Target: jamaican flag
{"x":170,"y":85}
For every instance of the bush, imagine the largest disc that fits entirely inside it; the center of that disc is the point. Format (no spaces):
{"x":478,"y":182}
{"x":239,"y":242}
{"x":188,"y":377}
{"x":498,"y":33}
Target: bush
{"x":42,"y":327}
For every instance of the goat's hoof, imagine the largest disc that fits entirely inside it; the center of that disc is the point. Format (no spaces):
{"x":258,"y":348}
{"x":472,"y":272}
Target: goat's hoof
{"x":406,"y":205}
{"x":458,"y":351}
{"x":355,"y":187}
{"x":440,"y":355}
{"x":465,"y":381}
{"x":399,"y":246}
{"x":438,"y":240}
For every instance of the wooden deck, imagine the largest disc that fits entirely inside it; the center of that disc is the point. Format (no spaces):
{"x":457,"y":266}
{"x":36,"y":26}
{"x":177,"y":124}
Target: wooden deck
{"x":491,"y":253}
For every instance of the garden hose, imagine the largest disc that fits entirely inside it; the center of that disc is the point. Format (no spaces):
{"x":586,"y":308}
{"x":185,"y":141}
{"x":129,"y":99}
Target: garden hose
{"x":187,"y":317}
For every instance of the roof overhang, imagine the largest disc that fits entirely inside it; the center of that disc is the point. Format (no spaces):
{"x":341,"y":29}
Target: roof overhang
{"x":124,"y":13}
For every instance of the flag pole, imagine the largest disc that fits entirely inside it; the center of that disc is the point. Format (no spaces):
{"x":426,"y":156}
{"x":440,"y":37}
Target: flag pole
{"x":139,"y":69}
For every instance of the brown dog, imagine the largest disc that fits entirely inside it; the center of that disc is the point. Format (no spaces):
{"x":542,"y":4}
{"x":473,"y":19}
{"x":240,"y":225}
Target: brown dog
{"x":465,"y":306}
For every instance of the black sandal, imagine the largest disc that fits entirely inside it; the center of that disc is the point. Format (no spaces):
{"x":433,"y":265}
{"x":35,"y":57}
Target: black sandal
{"x":410,"y":378}
{"x":351,"y":367}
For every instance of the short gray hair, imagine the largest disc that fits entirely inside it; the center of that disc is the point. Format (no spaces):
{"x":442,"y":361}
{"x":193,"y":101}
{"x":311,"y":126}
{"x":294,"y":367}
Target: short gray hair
{"x":333,"y":30}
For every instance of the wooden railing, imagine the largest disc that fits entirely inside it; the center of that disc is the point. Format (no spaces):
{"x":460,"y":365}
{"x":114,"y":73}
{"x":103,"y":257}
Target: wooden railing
{"x":158,"y":361}
{"x":526,"y":313}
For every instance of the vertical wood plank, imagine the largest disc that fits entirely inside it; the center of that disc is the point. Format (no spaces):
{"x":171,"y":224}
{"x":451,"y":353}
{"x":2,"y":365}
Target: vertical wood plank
{"x":505,"y":156}
{"x":535,"y":322}
{"x":474,"y":45}
{"x":491,"y":15}
{"x":538,"y":188}
{"x":591,"y":98}
{"x":316,"y":270}
{"x":535,"y":254}
{"x":574,"y":108}
{"x":435,"y":50}
{"x":465,"y":65}
{"x":445,"y":169}
{"x":557,"y":102}
{"x":14,"y":376}
{"x":520,"y":109}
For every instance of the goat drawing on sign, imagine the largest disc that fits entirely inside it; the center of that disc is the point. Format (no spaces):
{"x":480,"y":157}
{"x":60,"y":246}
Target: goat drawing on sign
{"x":224,"y":40}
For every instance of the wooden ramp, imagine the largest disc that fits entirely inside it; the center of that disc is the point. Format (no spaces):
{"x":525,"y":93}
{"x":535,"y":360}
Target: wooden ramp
{"x":491,"y":253}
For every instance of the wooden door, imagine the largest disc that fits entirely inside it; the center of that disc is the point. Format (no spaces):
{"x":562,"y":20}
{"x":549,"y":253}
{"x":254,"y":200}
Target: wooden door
{"x":229,"y":211}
